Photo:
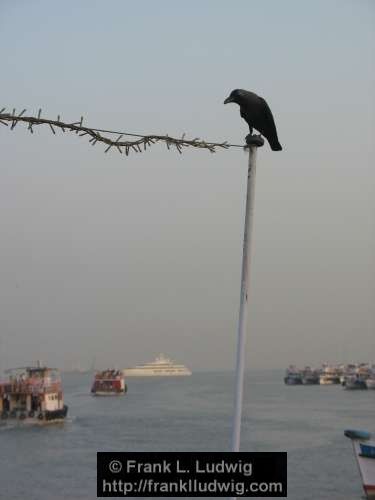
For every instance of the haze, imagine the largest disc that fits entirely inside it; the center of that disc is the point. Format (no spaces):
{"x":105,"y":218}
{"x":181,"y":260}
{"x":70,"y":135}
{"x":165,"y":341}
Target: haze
{"x":116,"y":259}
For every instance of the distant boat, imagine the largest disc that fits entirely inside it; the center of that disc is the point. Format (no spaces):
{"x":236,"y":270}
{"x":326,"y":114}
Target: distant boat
{"x":160,"y":367}
{"x":361,"y":371}
{"x":109,"y":383}
{"x":330,"y":376}
{"x":347,"y":371}
{"x":80,"y":370}
{"x":309,"y":376}
{"x":370,"y":382}
{"x":364,"y":451}
{"x":293,"y":376}
{"x":355,"y":383}
{"x":77,"y":369}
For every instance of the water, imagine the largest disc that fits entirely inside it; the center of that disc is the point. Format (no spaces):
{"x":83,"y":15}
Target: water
{"x":190,"y":414}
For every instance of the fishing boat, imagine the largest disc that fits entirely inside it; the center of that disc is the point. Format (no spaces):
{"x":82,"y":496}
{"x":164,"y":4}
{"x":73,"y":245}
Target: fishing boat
{"x":370,"y":382}
{"x":32,"y":395}
{"x":347,"y":370}
{"x":109,"y":383}
{"x":161,"y":366}
{"x":355,"y":382}
{"x":364,"y":451}
{"x":310,"y":376}
{"x":293,"y":376}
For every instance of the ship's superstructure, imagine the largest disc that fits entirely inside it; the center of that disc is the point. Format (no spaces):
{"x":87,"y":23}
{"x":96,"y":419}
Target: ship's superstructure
{"x":32,"y":395}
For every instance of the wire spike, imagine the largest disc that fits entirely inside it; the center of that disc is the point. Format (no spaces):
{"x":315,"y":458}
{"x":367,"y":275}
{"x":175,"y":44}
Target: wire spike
{"x":138,"y":144}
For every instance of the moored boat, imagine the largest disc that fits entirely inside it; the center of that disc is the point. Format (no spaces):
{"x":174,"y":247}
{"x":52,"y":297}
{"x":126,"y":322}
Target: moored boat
{"x":347,"y":370}
{"x":109,"y":383}
{"x":293,"y":376}
{"x":364,"y":451}
{"x":309,"y":376}
{"x":355,"y":382}
{"x":370,"y":382}
{"x":329,"y":376}
{"x":32,"y":395}
{"x":364,"y":371}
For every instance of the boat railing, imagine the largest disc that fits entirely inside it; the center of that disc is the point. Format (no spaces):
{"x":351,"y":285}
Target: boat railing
{"x":108,"y":376}
{"x":26,"y":387}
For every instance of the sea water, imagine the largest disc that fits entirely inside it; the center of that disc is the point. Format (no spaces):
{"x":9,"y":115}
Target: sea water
{"x":194,"y":413}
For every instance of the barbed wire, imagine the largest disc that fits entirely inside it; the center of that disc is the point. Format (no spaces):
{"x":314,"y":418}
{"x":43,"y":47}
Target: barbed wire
{"x":138,"y":145}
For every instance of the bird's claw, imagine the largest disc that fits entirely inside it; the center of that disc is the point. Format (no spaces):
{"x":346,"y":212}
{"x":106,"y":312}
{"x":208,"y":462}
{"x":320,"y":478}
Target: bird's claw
{"x":254,"y":140}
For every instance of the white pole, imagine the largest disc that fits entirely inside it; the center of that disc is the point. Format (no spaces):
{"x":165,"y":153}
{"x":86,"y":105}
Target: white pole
{"x":253,"y":143}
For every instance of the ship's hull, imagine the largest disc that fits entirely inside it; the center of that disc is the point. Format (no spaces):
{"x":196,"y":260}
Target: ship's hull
{"x":292,"y":380}
{"x":310,"y":381}
{"x":329,"y":380}
{"x":35,"y":418}
{"x":108,"y":393}
{"x":357,"y":385}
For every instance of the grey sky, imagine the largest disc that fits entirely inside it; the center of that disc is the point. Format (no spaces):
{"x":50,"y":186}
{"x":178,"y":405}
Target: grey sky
{"x":121,"y":258}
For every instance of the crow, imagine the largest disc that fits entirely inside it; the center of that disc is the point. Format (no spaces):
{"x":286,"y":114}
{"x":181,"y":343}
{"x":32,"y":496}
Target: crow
{"x":256,"y":112}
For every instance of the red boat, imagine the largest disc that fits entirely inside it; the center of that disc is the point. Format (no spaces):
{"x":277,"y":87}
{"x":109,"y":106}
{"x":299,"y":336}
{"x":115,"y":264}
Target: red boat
{"x":109,"y":383}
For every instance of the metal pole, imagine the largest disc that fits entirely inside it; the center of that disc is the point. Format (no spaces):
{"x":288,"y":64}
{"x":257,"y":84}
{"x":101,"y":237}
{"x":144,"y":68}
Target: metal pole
{"x":253,"y":143}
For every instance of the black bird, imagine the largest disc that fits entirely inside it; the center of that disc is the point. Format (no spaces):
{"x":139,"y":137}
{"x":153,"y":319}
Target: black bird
{"x":256,"y":112}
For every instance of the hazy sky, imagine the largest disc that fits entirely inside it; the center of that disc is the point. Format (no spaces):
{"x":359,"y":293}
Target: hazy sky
{"x":122,"y":258}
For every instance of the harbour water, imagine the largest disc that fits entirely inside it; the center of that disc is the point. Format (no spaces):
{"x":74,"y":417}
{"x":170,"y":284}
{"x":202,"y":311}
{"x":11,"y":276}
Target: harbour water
{"x":190,"y":414}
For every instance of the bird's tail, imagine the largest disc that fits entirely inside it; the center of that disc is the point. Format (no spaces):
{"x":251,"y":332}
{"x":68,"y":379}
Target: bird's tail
{"x":276,"y":146}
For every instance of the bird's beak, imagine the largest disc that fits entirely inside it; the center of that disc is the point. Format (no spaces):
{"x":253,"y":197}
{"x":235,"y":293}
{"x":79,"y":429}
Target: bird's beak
{"x":227,"y":100}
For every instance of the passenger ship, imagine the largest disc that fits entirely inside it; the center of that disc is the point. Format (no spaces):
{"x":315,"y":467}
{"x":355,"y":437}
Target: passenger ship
{"x":160,"y":367}
{"x":109,"y":383}
{"x":32,"y":395}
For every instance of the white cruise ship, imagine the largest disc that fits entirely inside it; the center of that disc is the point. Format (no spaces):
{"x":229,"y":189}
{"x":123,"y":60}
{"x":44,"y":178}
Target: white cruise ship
{"x":160,"y":367}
